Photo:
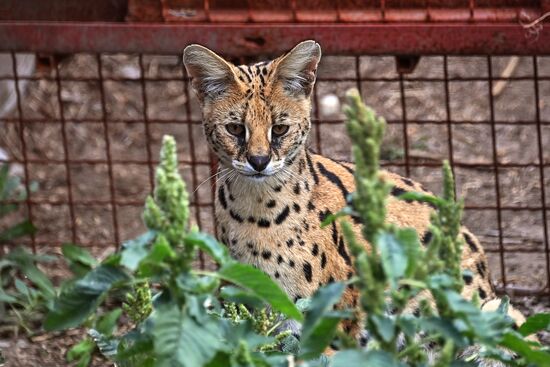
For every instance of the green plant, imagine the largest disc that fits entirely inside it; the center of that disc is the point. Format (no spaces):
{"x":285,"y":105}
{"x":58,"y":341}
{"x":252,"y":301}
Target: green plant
{"x":184,"y":323}
{"x":25,"y":291}
{"x":12,"y":192}
{"x":398,"y":271}
{"x":184,"y":317}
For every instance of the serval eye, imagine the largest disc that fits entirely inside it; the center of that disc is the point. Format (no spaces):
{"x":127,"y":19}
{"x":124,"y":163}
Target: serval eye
{"x":235,"y":129}
{"x":279,"y":130}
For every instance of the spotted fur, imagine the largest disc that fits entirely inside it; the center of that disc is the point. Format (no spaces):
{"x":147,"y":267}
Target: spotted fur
{"x":270,"y":219}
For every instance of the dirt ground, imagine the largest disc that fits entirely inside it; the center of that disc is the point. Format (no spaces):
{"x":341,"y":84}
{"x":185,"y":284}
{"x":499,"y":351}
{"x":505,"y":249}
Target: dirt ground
{"x":166,"y":101}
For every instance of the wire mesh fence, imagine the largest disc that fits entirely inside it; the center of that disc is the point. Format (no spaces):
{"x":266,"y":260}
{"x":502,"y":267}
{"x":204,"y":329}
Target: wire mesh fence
{"x":87,"y":129}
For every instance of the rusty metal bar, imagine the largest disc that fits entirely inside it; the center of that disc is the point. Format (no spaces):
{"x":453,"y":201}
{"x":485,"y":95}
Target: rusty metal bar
{"x":235,"y":39}
{"x":541,"y":170}
{"x":108,"y":150}
{"x":145,"y":112}
{"x":496,"y":169}
{"x":21,"y":127}
{"x":448,"y":117}
{"x":405,"y":124}
{"x":67,"y":160}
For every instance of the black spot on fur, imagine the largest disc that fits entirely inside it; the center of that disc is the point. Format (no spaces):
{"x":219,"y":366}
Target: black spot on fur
{"x":251,"y":220}
{"x":323,"y":260}
{"x":221,"y":196}
{"x":310,"y":206}
{"x":255,"y":253}
{"x":407,"y":182}
{"x":250,"y":245}
{"x":296,"y":207}
{"x":308,"y":272}
{"x":271,"y":204}
{"x":481,"y":268}
{"x":301,"y":166}
{"x":468,"y":279}
{"x":334,"y":234}
{"x":397,"y":191}
{"x":280,"y":259}
{"x":347,"y":168}
{"x":277,"y":188}
{"x":470,"y":241}
{"x":312,"y":169}
{"x":235,"y":216}
{"x":234,"y":242}
{"x":277,"y":275}
{"x":332,"y":177}
{"x":263,"y":223}
{"x":427,"y":237}
{"x":282,"y":215}
{"x":315,"y":250}
{"x":324,"y":214}
{"x":330,"y":279}
{"x":296,"y":188}
{"x":482,"y":293}
{"x":342,"y":251}
{"x":290,"y":242}
{"x":266,"y":254}
{"x":291,"y":263}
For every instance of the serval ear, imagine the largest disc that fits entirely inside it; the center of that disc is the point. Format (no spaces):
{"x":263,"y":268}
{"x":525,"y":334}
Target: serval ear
{"x":211,"y":75}
{"x":296,"y":70}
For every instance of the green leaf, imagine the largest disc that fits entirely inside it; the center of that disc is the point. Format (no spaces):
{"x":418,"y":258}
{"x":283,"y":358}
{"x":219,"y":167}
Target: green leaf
{"x":79,"y":300}
{"x":522,"y":348}
{"x":19,"y":230}
{"x":444,"y":327}
{"x":385,"y":326}
{"x":535,"y":323}
{"x":5,"y":182}
{"x":133,"y":251}
{"x":7,"y":298}
{"x":393,"y":255}
{"x":422,"y":197}
{"x":333,"y":217}
{"x":82,"y":352}
{"x":107,"y":323}
{"x":107,"y":346}
{"x":319,"y":327}
{"x":181,"y":341}
{"x":154,"y":265}
{"x":25,"y":261}
{"x":209,"y":245}
{"x":75,"y":253}
{"x":238,"y":295}
{"x":7,"y":208}
{"x":358,"y":358}
{"x":260,"y":285}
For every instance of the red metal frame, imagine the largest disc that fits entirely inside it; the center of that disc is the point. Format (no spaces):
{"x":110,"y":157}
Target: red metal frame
{"x":258,"y":39}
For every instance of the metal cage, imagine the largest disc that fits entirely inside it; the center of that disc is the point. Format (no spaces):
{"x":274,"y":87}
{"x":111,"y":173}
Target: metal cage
{"x":375,"y":46}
